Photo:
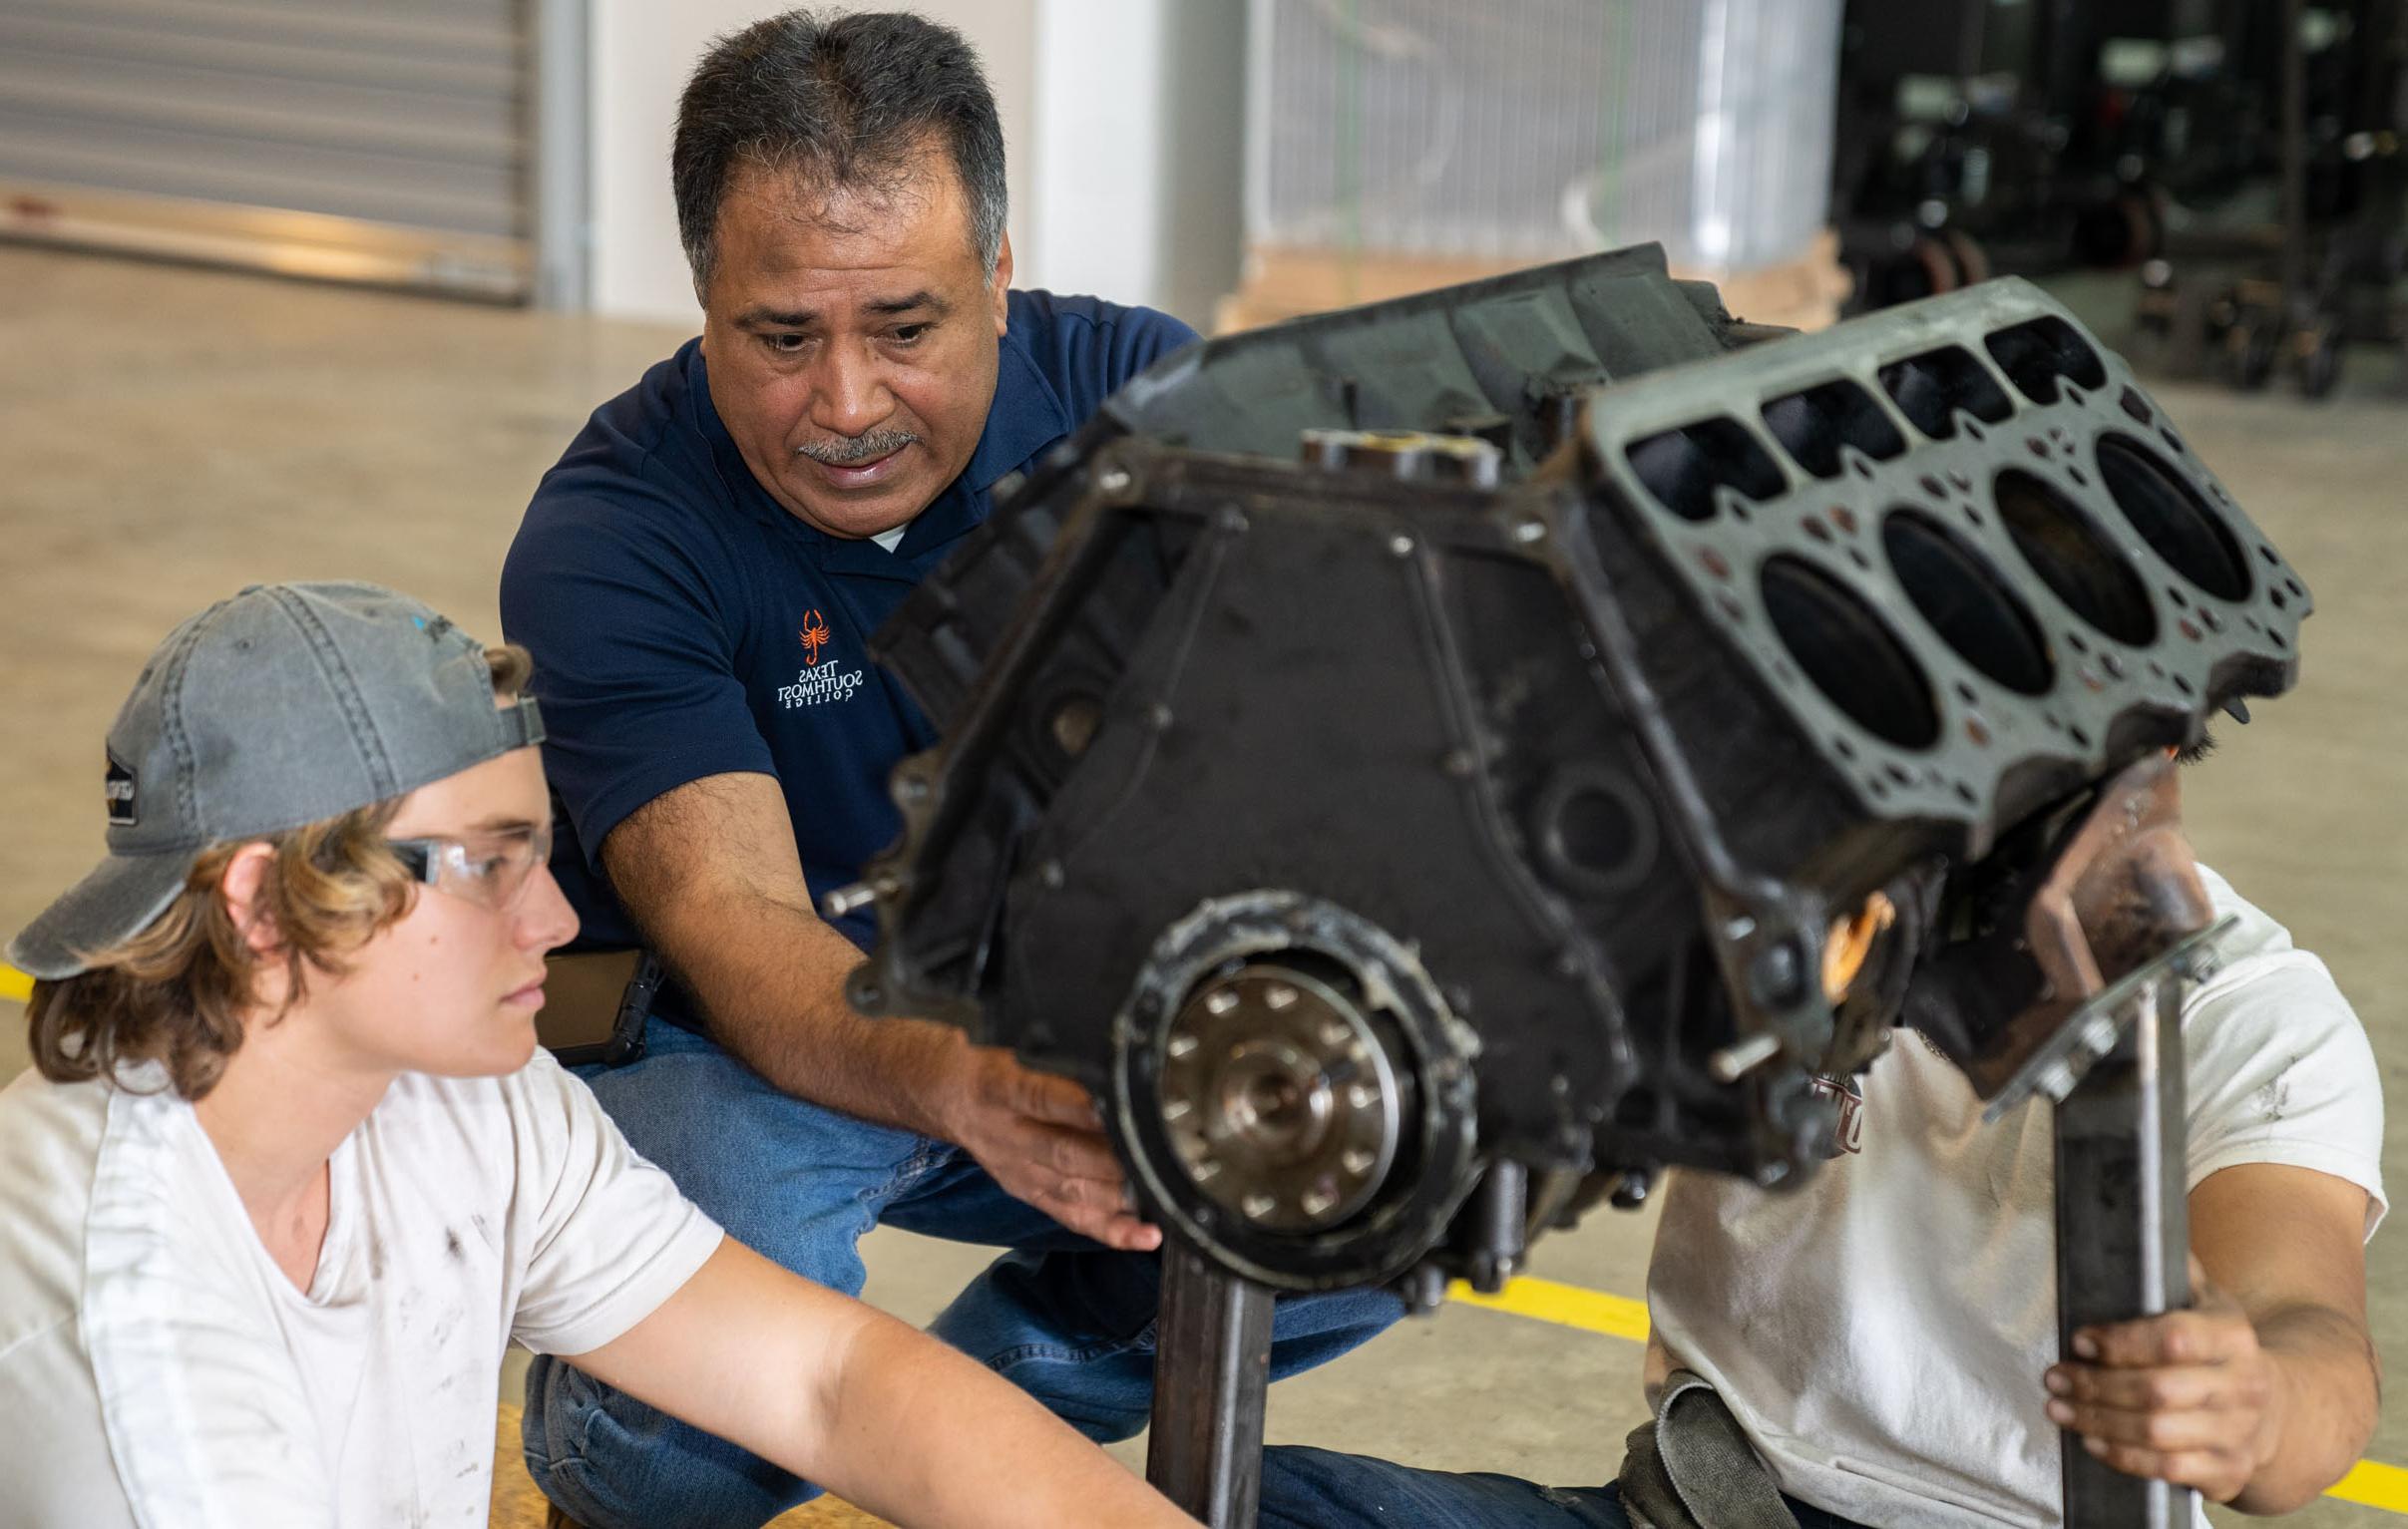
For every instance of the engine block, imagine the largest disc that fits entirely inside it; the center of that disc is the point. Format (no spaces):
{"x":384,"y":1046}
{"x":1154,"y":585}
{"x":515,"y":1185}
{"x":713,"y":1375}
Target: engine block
{"x":1416,"y":760}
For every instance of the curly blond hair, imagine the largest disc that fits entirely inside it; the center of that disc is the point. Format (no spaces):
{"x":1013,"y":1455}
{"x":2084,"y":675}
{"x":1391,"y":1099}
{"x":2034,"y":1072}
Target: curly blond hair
{"x":176,"y":994}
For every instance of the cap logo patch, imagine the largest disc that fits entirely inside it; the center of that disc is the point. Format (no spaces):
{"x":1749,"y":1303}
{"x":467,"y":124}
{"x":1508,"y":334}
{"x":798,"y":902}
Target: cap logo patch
{"x":119,"y":788}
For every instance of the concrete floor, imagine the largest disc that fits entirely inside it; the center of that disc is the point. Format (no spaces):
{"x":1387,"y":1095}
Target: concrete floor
{"x":169,"y":434}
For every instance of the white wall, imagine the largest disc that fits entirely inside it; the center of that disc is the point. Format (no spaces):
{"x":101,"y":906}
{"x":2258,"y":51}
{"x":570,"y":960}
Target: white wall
{"x":1121,"y":123}
{"x":1137,"y":142}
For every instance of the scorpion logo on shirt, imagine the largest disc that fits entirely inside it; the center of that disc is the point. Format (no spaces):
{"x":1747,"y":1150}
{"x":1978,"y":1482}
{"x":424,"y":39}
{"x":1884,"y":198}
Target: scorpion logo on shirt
{"x":819,"y":683}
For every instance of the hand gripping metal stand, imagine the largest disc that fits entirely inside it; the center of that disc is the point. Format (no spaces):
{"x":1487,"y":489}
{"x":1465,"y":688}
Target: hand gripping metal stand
{"x":2123,"y":1223}
{"x":2120,"y":929}
{"x":2124,"y":896}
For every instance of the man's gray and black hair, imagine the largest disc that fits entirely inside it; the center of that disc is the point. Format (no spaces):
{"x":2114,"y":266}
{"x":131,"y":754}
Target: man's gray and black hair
{"x":845,"y":102}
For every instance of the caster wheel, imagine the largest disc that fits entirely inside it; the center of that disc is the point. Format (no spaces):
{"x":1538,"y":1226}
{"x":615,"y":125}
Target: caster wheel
{"x":2319,"y":363}
{"x":2250,"y":353}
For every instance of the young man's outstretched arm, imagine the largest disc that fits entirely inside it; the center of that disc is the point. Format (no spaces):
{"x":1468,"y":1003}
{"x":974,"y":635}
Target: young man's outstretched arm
{"x":848,"y":1397}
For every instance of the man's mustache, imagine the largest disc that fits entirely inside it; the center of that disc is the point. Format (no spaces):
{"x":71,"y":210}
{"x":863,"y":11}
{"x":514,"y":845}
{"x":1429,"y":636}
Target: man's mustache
{"x":854,"y":450}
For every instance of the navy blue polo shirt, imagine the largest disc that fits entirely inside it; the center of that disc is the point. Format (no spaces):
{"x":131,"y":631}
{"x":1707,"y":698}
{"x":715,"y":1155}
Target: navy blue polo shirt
{"x":684,"y":624}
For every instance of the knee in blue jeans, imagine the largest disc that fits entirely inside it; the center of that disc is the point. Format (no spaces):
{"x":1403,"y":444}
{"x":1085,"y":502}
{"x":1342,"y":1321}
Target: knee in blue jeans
{"x":659,"y":1470}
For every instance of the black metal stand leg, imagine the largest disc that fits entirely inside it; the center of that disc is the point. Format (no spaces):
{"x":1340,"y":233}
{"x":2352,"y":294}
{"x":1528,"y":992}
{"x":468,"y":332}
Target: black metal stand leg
{"x":1211,"y":1366}
{"x":2124,"y":1232}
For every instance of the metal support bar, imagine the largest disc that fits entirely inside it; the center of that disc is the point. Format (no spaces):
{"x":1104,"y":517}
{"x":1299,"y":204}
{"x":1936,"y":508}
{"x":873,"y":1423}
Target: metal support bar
{"x":1211,"y":1366}
{"x":2123,"y":1228}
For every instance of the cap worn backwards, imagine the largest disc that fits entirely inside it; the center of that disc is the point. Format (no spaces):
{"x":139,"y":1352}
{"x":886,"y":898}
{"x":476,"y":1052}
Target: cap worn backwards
{"x":287,"y":705}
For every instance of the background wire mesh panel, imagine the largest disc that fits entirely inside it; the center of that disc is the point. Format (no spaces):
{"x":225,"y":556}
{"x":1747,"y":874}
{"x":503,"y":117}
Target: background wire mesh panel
{"x":1530,"y":128}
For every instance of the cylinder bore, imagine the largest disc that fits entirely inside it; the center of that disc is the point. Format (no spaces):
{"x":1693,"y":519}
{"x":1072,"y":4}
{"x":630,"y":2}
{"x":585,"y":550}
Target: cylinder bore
{"x":1932,"y":388}
{"x":1966,"y":601}
{"x":2172,"y":518}
{"x":2075,"y":559}
{"x":1812,"y":425}
{"x":1849,"y":655}
{"x":2041,"y":353}
{"x":1683,"y":468}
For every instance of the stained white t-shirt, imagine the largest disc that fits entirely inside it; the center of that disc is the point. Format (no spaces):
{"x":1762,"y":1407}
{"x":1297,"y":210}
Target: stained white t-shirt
{"x":1880,"y":1331}
{"x":158,"y":1369}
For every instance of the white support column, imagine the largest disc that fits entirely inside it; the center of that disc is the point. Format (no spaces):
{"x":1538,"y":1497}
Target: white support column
{"x":1136,"y":145}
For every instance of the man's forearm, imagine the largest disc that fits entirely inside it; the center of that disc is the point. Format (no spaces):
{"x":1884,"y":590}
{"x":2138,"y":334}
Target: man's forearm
{"x":2329,"y":1391}
{"x":771,"y":982}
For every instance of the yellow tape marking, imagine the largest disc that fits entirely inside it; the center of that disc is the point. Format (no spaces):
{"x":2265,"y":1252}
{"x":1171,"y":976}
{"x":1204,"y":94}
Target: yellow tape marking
{"x":15,"y":984}
{"x":2375,"y":1484}
{"x":2369,"y":1482}
{"x":1564,"y":1304}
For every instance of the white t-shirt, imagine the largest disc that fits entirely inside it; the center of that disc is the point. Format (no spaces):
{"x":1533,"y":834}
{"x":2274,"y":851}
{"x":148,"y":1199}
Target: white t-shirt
{"x":158,"y":1369}
{"x":1880,"y":1331}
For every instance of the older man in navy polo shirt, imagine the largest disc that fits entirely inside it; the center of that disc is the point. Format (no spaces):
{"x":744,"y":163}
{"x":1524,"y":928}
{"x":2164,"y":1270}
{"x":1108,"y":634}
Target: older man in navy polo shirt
{"x":697,"y":580}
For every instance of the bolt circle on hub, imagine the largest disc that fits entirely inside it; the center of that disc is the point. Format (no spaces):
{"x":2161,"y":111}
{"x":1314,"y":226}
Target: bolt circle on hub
{"x":1292,"y":1094}
{"x":1280,"y":1099}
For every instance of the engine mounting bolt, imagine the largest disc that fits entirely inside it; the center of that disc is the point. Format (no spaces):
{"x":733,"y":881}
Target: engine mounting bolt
{"x":1736,"y":1062}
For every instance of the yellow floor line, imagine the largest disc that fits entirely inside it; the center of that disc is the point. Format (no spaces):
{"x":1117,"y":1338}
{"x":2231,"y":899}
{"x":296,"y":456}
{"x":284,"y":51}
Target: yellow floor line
{"x":2369,"y":1482}
{"x":2375,"y":1484}
{"x":15,"y":984}
{"x":1564,"y":1304}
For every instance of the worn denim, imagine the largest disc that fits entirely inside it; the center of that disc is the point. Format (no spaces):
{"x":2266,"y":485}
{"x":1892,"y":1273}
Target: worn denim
{"x":1318,"y":1489}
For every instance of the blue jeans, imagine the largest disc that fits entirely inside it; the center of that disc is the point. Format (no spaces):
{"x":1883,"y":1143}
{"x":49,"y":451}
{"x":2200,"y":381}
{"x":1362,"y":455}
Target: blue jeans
{"x":1317,"y":1489}
{"x":1071,"y":1321}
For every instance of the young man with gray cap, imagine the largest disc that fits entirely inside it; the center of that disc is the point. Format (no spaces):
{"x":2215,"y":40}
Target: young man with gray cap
{"x":291,"y":1171}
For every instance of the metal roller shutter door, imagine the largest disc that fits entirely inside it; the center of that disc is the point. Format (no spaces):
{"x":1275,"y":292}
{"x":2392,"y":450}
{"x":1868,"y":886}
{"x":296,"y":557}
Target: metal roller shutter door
{"x":385,"y":141}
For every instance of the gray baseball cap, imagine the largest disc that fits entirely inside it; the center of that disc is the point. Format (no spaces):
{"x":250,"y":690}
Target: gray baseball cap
{"x":286,"y":704}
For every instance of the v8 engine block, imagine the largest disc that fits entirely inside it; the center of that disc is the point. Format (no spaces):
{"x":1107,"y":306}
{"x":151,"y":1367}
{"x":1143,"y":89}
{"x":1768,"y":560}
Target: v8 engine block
{"x":1413,"y":760}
